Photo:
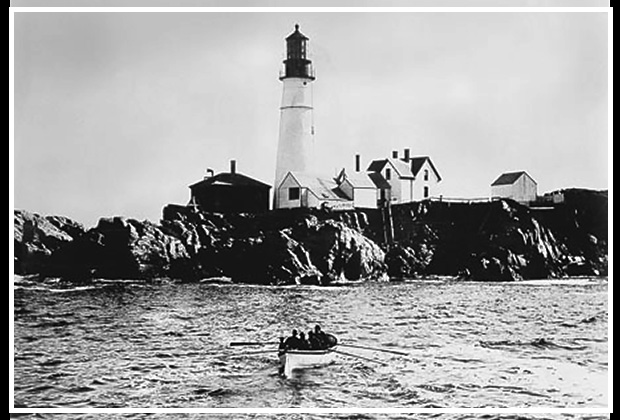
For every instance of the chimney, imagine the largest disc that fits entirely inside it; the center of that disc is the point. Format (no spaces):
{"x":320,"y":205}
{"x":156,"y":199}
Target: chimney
{"x":395,"y":154}
{"x":210,"y":173}
{"x":358,"y":163}
{"x":233,"y":166}
{"x":407,"y":155}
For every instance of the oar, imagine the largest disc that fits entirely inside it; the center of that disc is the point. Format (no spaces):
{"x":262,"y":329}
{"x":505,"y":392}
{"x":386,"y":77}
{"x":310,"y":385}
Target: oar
{"x":374,"y":348}
{"x":251,"y":343}
{"x":360,"y":357}
{"x":254,"y":352}
{"x":240,"y":354}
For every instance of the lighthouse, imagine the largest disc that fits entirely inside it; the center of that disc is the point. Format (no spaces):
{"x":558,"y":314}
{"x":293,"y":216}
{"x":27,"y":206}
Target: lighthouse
{"x":296,"y":136}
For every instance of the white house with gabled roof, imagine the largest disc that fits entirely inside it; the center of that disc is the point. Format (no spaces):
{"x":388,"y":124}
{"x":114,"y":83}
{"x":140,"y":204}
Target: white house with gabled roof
{"x":398,"y":174}
{"x":410,"y":178}
{"x":427,"y":177}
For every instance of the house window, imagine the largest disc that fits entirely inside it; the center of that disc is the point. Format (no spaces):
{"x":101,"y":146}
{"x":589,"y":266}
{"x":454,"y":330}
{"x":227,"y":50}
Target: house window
{"x":293,"y":193}
{"x":425,"y":192}
{"x":425,"y":174}
{"x":388,"y":174}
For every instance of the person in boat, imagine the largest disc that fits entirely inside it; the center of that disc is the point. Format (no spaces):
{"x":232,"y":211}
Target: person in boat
{"x":331,"y":340}
{"x":292,"y":343}
{"x":315,"y":343}
{"x":304,"y":344}
{"x":326,"y":340}
{"x":320,"y":337}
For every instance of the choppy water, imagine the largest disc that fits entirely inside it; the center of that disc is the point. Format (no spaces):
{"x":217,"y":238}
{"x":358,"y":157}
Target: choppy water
{"x":311,"y":416}
{"x":132,"y":344}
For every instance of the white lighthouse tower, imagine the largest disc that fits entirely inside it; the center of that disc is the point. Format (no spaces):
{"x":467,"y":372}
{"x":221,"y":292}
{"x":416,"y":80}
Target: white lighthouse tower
{"x":296,"y":141}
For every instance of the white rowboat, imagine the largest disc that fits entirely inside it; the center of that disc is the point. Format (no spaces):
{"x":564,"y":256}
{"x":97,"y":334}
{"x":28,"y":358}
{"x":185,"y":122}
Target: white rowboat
{"x":302,"y":359}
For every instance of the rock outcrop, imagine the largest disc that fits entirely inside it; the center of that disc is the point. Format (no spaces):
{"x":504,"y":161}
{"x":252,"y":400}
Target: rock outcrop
{"x":37,"y":237}
{"x":499,"y":240}
{"x":285,"y":247}
{"x":122,"y":248}
{"x":339,"y":252}
{"x":580,"y":223}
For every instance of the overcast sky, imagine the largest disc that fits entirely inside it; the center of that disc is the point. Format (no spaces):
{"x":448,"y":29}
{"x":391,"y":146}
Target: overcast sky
{"x":117,"y":113}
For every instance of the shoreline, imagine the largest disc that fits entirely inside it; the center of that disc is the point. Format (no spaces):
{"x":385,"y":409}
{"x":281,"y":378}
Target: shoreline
{"x":499,"y":240}
{"x":39,"y":279}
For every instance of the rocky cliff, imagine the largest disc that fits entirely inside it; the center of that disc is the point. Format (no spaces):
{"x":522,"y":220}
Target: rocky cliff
{"x":501,"y":240}
{"x":498,"y":240}
{"x":36,"y":238}
{"x":288,"y":248}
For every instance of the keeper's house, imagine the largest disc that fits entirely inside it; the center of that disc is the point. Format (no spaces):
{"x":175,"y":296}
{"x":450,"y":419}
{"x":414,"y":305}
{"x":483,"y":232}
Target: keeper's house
{"x":518,"y":186}
{"x":410,"y":178}
{"x":230,"y":192}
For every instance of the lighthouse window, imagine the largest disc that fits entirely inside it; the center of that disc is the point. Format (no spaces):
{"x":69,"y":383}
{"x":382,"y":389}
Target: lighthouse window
{"x":293,"y":193}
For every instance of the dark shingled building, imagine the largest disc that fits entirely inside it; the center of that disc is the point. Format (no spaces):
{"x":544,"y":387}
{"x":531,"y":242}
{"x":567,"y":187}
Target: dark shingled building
{"x":230,"y":192}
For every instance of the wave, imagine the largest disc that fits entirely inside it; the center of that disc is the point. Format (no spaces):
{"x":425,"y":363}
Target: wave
{"x":594,"y":318}
{"x":68,"y":287}
{"x":449,"y":388}
{"x":576,"y":281}
{"x":56,"y":290}
{"x":600,"y":316}
{"x":537,"y":343}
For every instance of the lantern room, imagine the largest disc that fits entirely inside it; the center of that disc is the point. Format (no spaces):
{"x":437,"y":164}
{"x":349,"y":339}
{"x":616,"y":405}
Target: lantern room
{"x":297,"y":63}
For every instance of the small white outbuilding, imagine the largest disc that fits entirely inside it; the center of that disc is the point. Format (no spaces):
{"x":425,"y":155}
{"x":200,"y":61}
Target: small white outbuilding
{"x":518,"y":186}
{"x":359,"y":188}
{"x":299,"y":189}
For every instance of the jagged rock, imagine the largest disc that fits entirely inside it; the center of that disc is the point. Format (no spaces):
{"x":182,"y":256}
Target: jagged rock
{"x":36,"y":238}
{"x":499,"y":240}
{"x":304,"y":250}
{"x":408,"y":261}
{"x":341,"y":253}
{"x":514,"y":245}
{"x":275,"y":258}
{"x":581,"y":225}
{"x":492,"y":268}
{"x":124,"y":248}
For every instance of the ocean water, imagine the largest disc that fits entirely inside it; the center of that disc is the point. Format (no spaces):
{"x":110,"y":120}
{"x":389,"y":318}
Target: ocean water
{"x":131,"y":344}
{"x":309,"y":416}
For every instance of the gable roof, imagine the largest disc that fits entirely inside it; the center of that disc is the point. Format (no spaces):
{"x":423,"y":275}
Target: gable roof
{"x":379,"y":181}
{"x":357,"y":180}
{"x":417,"y":163}
{"x":509,"y":178}
{"x":377,"y":165}
{"x":230,"y":179}
{"x":401,"y":168}
{"x":322,"y":188}
{"x":360,"y":181}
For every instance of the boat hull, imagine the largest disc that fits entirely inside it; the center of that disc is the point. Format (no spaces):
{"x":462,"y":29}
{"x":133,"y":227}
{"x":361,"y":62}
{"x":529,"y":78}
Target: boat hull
{"x":304,"y":359}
